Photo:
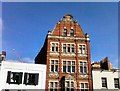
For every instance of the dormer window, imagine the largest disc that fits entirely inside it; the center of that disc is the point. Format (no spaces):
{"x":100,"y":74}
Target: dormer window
{"x":65,"y":32}
{"x":71,"y":32}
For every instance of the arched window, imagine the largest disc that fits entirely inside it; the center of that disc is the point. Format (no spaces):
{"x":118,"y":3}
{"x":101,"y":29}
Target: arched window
{"x":64,"y":32}
{"x":71,"y":32}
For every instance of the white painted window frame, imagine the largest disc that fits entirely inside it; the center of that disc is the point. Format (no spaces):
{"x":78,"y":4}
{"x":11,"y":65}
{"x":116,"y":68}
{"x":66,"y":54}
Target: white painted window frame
{"x":67,"y":65}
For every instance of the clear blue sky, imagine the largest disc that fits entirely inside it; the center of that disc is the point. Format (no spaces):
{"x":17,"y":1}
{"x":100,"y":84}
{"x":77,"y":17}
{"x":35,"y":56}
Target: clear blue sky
{"x":25,"y":27}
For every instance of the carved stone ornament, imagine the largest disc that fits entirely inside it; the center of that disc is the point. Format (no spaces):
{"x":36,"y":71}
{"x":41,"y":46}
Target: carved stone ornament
{"x":53,"y":75}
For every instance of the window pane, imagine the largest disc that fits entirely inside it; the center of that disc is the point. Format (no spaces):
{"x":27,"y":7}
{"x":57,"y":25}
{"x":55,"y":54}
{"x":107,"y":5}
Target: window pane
{"x":52,"y":61}
{"x":73,"y":62}
{"x":86,"y":85}
{"x":51,"y":84}
{"x":81,"y":69}
{"x":56,"y":68}
{"x":56,"y":61}
{"x":69,"y":63}
{"x":55,"y":84}
{"x":71,"y":33}
{"x":104,"y":82}
{"x":81,"y":63}
{"x":64,"y":49}
{"x":56,"y":49}
{"x":73,"y":49}
{"x":82,"y":85}
{"x":64,"y":68}
{"x":68,"y":49}
{"x":73,"y":68}
{"x":72,"y":84}
{"x":85,"y":69}
{"x":64,"y":32}
{"x":52,"y":68}
{"x":64,"y":62}
{"x":67,"y":84}
{"x":69,"y":69}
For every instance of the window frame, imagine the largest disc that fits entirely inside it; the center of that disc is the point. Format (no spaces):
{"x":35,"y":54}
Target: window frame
{"x":54,"y":65}
{"x":54,"y":46}
{"x":71,"y":32}
{"x":64,"y":32}
{"x":118,"y":85}
{"x":68,"y":85}
{"x":11,"y":76}
{"x":104,"y":82}
{"x":68,"y":48}
{"x":84,"y":87}
{"x":54,"y":85}
{"x":82,"y":49}
{"x":82,"y":65}
{"x":67,"y":65}
{"x":27,"y":78}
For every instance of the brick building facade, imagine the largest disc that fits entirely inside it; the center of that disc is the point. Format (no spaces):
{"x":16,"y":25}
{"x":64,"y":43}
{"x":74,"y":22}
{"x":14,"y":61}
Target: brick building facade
{"x":66,"y":52}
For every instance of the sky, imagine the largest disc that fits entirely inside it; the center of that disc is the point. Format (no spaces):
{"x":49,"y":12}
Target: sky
{"x":25,"y":26}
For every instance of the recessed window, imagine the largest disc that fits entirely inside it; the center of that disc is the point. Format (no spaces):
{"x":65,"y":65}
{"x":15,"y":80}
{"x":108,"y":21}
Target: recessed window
{"x":54,"y":47}
{"x":53,"y":86}
{"x":116,"y":82}
{"x":82,"y":49}
{"x":84,"y":87}
{"x":70,"y":48}
{"x":72,"y":33}
{"x":69,"y":85}
{"x":69,"y":66}
{"x":14,"y":77}
{"x":104,"y":82}
{"x":65,"y":32}
{"x":83,"y":67}
{"x":54,"y":65}
{"x":31,"y":78}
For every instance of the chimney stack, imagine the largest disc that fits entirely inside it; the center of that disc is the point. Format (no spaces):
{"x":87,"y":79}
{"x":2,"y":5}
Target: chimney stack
{"x":3,"y":55}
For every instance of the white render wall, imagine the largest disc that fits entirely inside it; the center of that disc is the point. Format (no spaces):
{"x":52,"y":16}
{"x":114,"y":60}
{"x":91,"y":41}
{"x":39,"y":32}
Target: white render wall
{"x":110,"y":75}
{"x":22,"y":67}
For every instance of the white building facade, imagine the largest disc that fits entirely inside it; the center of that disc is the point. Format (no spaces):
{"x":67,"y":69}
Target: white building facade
{"x":22,"y":76}
{"x":106,"y":80}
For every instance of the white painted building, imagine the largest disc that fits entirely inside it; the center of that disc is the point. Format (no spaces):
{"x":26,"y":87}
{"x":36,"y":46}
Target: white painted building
{"x":22,"y":76}
{"x":106,"y":80}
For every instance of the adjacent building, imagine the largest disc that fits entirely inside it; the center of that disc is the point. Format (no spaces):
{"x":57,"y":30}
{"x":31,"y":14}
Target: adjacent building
{"x":16,"y":76}
{"x":66,"y":53}
{"x":105,"y":77}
